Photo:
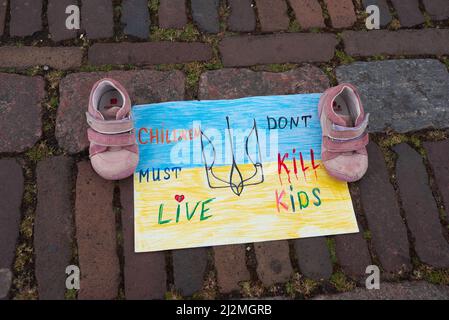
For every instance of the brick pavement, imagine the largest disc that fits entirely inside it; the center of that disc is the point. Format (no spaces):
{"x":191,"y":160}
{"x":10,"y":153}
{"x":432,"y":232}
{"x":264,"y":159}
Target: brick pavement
{"x":219,"y":50}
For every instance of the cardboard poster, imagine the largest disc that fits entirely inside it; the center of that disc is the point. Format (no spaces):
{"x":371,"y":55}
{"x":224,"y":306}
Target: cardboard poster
{"x":234,"y":171}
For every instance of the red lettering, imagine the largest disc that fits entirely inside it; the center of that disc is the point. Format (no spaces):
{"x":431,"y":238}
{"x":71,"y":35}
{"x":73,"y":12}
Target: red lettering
{"x":279,"y":201}
{"x":281,"y":165}
{"x":140,"y":135}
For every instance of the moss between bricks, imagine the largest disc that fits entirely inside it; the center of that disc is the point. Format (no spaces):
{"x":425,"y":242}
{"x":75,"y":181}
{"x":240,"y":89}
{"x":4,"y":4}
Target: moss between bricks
{"x":341,"y":282}
{"x":301,"y":286}
{"x":431,"y":275}
{"x":332,"y":253}
{"x":24,"y":283}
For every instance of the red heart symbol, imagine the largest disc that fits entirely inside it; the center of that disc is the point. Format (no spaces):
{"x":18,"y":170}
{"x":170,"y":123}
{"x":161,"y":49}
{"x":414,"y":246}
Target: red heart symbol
{"x":179,"y":198}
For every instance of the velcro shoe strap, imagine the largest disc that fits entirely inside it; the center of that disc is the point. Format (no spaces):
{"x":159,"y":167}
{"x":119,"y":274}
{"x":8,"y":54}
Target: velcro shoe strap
{"x":111,"y":140}
{"x":109,"y":126}
{"x":342,"y":133}
{"x":346,"y":146}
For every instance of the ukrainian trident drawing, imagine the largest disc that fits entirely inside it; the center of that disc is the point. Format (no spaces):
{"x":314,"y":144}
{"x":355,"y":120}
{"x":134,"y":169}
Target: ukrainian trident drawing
{"x":236,"y":180}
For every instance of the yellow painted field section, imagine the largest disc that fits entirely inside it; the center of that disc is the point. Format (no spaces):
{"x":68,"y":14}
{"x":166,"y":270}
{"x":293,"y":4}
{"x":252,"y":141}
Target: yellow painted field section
{"x":251,"y":217}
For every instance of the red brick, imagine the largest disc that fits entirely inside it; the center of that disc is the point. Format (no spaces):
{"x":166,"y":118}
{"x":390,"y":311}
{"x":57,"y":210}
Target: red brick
{"x":145,"y":274}
{"x":238,"y":83}
{"x":144,"y":86}
{"x":149,"y":53}
{"x":280,"y":48}
{"x":273,"y":262}
{"x":189,"y":266}
{"x":21,"y":111}
{"x":26,"y":17}
{"x":11,"y":189}
{"x":308,"y":13}
{"x":437,"y":9}
{"x":57,"y":18}
{"x":230,"y":263}
{"x":341,"y":12}
{"x":438,"y":153}
{"x":172,"y":14}
{"x":242,"y":17}
{"x":97,"y":18}
{"x":53,"y":227}
{"x":409,"y":13}
{"x":313,"y":258}
{"x":96,"y":235}
{"x":402,"y":42}
{"x":3,"y":9}
{"x":272,"y":15}
{"x":381,"y":209}
{"x":62,"y":58}
{"x":420,"y":208}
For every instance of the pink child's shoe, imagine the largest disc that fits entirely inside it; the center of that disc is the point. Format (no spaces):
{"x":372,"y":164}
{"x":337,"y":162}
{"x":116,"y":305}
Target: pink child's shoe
{"x":113,"y":150}
{"x":344,"y":124}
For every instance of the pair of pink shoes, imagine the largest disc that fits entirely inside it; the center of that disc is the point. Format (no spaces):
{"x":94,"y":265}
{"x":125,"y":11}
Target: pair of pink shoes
{"x":345,"y":138}
{"x":113,"y":151}
{"x":114,"y":154}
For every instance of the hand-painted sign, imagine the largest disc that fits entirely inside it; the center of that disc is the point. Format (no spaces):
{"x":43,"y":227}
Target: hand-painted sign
{"x":234,"y":171}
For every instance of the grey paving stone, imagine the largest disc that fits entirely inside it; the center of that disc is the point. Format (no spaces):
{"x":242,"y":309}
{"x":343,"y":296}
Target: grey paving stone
{"x":438,"y":153}
{"x":26,"y":17}
{"x":21,"y":110}
{"x":381,"y":209}
{"x":419,"y":290}
{"x":3,"y":9}
{"x":385,"y":15}
{"x":313,"y":258}
{"x":239,"y":51}
{"x":5,"y":282}
{"x":53,"y":226}
{"x":404,"y":95}
{"x":273,"y":262}
{"x":408,"y":11}
{"x":414,"y":42}
{"x":136,"y":18}
{"x":231,"y":267}
{"x":205,"y":15}
{"x":56,"y":20}
{"x":352,"y":254}
{"x":97,"y":18}
{"x":189,"y":266}
{"x":11,"y":190}
{"x":420,"y":208}
{"x":242,"y":17}
{"x":437,"y":9}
